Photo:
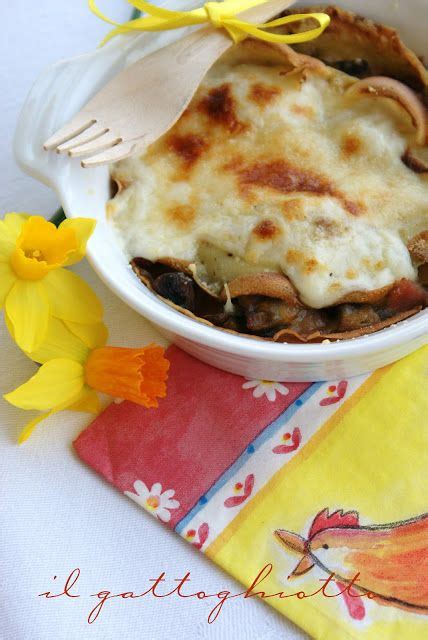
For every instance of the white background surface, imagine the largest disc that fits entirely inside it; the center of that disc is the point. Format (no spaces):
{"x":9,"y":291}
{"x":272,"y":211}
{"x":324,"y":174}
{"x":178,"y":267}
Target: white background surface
{"x":55,"y":514}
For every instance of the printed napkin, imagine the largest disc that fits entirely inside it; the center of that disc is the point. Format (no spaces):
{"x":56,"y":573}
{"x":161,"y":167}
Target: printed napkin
{"x":316,"y":489}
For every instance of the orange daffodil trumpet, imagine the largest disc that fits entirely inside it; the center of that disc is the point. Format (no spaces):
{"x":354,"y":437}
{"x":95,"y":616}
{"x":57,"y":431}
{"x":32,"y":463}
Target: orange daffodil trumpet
{"x":77,"y":365}
{"x":34,"y":285}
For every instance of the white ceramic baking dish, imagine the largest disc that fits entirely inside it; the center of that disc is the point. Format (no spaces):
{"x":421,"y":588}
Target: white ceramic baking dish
{"x":64,"y":88}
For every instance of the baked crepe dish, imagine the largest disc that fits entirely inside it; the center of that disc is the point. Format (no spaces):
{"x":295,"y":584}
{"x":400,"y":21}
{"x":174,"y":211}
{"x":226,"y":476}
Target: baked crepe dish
{"x":290,"y":201}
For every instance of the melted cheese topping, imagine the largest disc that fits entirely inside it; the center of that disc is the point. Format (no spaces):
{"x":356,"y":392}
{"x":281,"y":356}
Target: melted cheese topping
{"x":284,"y":172}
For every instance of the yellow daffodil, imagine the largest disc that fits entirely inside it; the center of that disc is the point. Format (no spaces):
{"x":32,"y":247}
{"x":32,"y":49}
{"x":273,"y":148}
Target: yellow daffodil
{"x":34,"y":286}
{"x":76,"y":364}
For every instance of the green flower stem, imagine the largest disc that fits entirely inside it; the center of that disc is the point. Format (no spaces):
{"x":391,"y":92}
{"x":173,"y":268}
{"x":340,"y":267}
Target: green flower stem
{"x":135,"y":14}
{"x":59,"y":214}
{"x":58,"y":217}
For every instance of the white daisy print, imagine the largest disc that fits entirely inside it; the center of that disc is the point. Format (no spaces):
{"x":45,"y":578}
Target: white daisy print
{"x":154,"y":500}
{"x":266,"y":388}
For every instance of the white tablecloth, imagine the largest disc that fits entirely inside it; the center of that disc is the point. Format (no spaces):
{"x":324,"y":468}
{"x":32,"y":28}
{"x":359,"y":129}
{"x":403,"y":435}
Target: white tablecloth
{"x":55,"y":514}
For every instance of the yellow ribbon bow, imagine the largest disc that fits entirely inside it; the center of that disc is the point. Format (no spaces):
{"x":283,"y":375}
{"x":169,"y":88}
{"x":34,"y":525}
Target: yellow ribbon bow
{"x":220,"y":15}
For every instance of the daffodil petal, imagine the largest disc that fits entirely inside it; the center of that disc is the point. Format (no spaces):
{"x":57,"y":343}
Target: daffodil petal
{"x":81,"y":397}
{"x":83,"y":228}
{"x":7,"y":245}
{"x":27,"y":309}
{"x":14,"y":222}
{"x":30,"y":426}
{"x":71,"y":298}
{"x":10,"y":228}
{"x":93,"y":335}
{"x":89,"y":403}
{"x":59,"y":342}
{"x":7,"y":242}
{"x":7,"y":280}
{"x":57,"y":383}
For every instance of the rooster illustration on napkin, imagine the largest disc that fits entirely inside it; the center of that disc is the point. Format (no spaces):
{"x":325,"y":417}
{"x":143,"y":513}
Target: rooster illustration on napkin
{"x":391,"y":559}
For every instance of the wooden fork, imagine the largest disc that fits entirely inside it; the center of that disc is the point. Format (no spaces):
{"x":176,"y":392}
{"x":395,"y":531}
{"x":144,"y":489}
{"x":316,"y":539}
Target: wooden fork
{"x":145,"y":100}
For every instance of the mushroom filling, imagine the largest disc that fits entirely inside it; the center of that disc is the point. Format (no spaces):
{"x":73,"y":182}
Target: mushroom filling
{"x":273,"y":318}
